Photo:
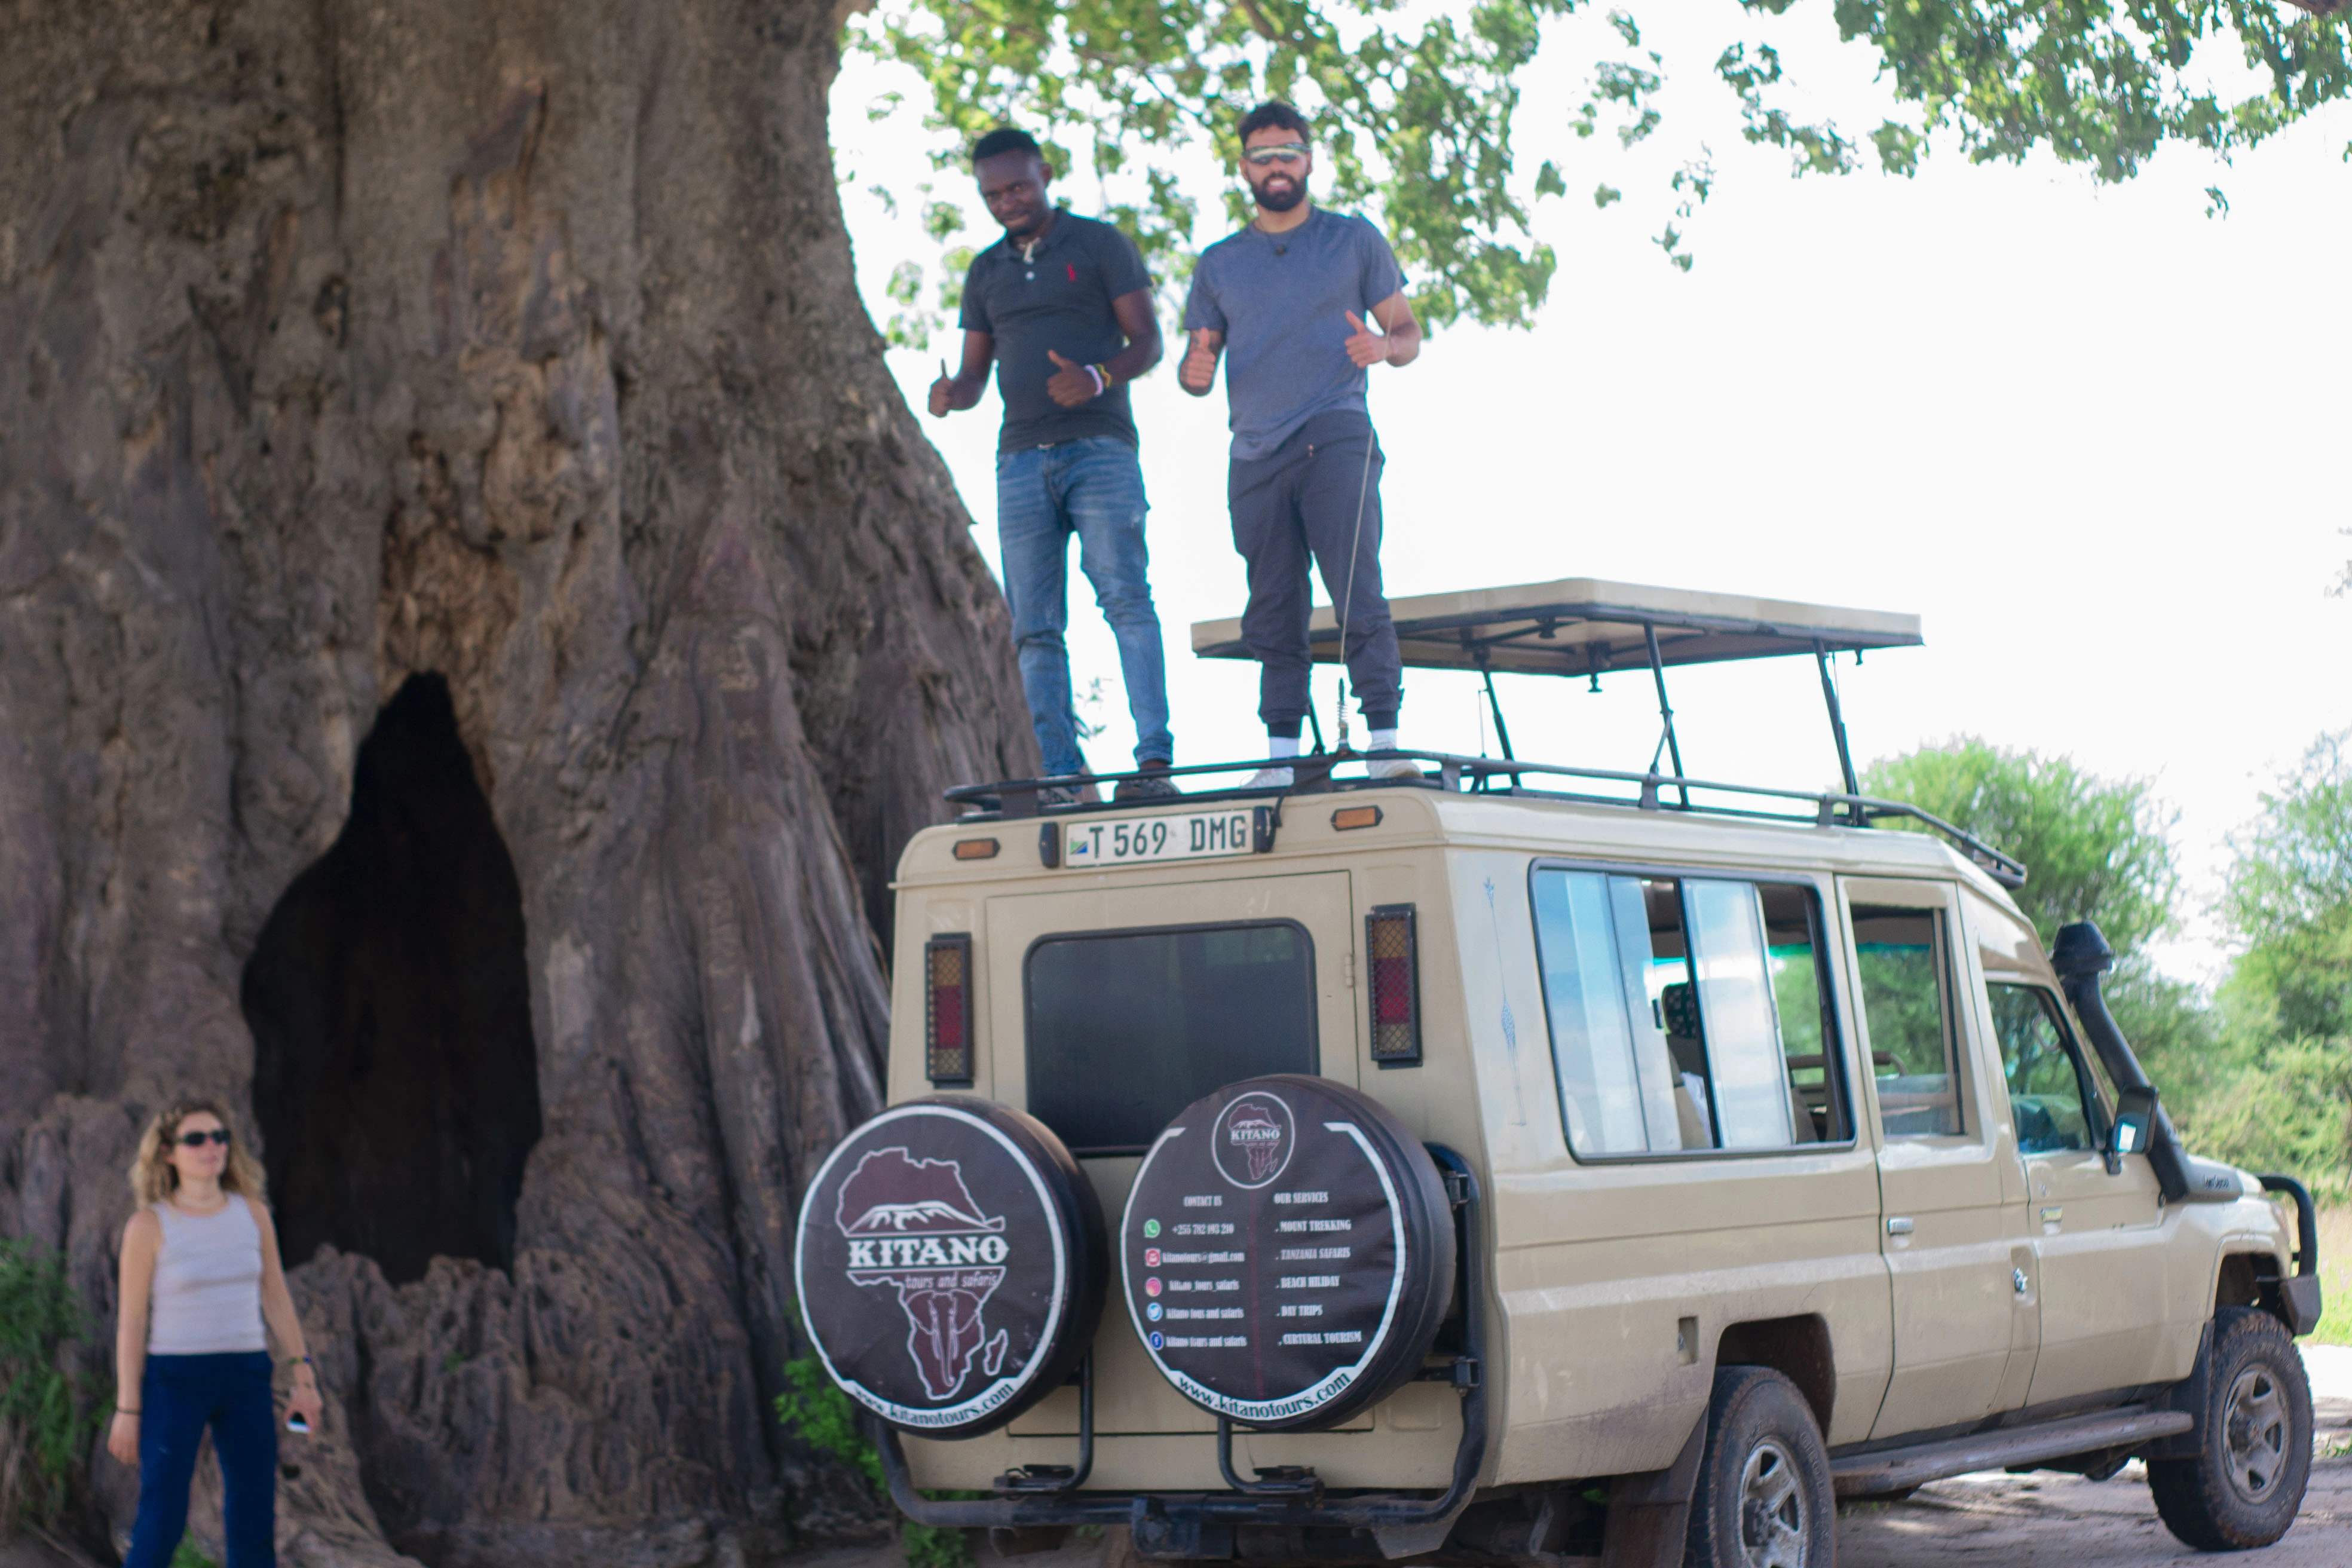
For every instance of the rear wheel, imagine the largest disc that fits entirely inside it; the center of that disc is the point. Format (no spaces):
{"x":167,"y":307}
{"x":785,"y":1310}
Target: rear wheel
{"x":1763,"y":1496}
{"x":2245,"y":1485}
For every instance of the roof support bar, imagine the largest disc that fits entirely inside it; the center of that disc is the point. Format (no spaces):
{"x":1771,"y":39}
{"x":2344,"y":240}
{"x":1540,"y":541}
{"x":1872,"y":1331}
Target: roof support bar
{"x":1494,"y":705}
{"x":1666,"y":710}
{"x":1837,"y":718}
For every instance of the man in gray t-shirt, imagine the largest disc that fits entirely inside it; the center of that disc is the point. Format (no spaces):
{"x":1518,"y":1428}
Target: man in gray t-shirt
{"x":1284,"y":301}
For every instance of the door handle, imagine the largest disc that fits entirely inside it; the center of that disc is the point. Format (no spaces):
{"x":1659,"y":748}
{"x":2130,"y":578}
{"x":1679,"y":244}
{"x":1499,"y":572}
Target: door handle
{"x":1898,"y":1225}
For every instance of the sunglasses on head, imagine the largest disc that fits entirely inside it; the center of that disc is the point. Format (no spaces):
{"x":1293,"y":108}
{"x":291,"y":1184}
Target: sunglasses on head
{"x":198,"y":1140}
{"x":1281,"y":152}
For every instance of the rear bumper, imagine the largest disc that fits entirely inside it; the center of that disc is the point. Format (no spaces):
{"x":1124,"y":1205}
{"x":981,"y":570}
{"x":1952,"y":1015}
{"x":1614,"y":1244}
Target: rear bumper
{"x":1201,"y":1524}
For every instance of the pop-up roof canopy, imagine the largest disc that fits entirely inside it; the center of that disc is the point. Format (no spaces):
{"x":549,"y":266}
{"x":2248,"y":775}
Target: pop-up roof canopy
{"x":1581,"y":625}
{"x":1577,"y":627}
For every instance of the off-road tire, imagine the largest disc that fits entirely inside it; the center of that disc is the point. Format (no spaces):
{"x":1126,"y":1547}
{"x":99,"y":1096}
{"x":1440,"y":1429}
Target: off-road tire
{"x":1763,"y":1498}
{"x":2245,"y":1485}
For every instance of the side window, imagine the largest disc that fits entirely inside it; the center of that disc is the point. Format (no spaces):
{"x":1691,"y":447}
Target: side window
{"x":1686,"y":1014}
{"x":2050,"y":1095}
{"x":1800,"y":1003}
{"x":1904,"y":959}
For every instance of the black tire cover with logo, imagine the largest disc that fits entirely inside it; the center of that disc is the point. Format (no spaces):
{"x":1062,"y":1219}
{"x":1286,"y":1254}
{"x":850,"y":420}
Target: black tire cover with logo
{"x":1287,"y":1252}
{"x":951,"y":1264}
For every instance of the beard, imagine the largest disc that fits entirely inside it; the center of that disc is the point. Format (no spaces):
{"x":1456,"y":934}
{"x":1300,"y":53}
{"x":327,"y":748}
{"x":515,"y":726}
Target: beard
{"x":1281,"y":198}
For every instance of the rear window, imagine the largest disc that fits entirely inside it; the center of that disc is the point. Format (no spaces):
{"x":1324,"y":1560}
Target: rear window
{"x":1127,"y":1029}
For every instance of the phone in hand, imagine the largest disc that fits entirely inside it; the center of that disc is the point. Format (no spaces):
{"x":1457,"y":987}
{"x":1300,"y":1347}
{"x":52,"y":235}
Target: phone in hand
{"x":295,"y":1424}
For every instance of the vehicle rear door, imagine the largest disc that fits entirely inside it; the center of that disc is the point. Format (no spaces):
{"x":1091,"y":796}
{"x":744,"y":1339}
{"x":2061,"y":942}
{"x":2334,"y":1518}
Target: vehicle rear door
{"x":1953,"y":1231}
{"x":2097,"y":1235}
{"x":1129,"y":999}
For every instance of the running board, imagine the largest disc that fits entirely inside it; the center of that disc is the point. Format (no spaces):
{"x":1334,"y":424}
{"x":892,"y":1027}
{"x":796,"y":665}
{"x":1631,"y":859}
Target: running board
{"x":1898,"y":1469}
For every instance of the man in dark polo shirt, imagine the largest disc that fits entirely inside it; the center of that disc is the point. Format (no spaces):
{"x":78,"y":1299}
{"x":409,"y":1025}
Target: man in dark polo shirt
{"x":1062,"y":306}
{"x":1284,"y":301}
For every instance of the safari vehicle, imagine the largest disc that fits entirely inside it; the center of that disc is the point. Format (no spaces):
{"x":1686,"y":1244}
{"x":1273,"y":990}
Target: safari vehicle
{"x":1529,"y":1165}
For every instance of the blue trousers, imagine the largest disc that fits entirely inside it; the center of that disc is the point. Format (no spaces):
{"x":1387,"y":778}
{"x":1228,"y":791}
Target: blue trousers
{"x":179,"y":1398}
{"x":1092,"y":488}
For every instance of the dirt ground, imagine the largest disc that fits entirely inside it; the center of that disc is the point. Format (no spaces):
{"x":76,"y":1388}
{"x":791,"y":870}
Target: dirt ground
{"x":2002,"y":1521}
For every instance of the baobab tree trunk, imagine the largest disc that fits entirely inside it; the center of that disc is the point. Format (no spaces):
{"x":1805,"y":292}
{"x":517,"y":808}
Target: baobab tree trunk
{"x":477,"y":623}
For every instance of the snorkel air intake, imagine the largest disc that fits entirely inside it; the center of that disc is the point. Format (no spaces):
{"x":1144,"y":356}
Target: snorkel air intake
{"x":2080,"y":957}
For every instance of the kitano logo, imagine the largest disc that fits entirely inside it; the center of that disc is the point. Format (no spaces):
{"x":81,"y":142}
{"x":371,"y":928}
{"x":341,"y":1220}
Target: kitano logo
{"x":1253,"y":1139}
{"x":913,"y":1225}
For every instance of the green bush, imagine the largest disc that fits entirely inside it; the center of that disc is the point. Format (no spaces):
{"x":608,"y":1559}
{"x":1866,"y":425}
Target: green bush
{"x":813,"y":1408}
{"x":48,"y":1413}
{"x":824,"y":1417}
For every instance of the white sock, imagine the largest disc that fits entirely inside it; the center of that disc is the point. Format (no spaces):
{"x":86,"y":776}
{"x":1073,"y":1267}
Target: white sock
{"x":1384,"y":740}
{"x":1281,"y":746}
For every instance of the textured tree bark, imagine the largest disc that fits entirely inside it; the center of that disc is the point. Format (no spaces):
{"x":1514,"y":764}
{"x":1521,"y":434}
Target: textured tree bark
{"x":516,"y":342}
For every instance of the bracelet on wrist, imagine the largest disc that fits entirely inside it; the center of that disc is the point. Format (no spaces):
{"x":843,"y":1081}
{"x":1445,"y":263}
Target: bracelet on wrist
{"x":120,"y":1411}
{"x":1102,"y":382}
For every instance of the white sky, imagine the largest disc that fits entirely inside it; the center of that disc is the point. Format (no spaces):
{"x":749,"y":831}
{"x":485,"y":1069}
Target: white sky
{"x":2095,"y":439}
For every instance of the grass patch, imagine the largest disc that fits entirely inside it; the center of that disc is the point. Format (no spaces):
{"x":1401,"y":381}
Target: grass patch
{"x":47,"y":1412}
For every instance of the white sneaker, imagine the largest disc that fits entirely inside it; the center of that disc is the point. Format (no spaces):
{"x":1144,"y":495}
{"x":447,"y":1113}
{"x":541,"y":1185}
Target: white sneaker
{"x":1392,"y":768}
{"x":1269,"y":778}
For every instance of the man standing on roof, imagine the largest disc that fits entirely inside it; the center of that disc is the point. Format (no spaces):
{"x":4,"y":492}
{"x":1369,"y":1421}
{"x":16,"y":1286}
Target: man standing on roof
{"x":1063,"y":305}
{"x":1285,"y":300}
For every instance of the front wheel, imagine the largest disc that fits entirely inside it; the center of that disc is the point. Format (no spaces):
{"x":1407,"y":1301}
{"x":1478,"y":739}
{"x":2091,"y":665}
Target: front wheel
{"x":2253,"y":1458}
{"x":1763,"y":1496}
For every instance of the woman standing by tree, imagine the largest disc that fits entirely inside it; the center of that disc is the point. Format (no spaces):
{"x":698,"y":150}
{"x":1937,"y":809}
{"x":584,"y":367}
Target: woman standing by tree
{"x":200,"y":1272}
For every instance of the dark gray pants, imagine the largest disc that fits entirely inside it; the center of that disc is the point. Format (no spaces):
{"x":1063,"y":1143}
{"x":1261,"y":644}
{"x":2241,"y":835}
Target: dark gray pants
{"x":1302,"y":500}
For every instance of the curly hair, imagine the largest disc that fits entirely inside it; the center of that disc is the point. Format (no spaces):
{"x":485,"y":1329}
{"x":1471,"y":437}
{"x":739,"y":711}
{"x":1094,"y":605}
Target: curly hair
{"x":152,"y":1178}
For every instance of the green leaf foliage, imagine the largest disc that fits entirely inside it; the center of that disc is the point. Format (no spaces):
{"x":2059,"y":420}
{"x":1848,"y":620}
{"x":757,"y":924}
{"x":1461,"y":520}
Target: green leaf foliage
{"x":48,"y":1413}
{"x":2094,"y":848}
{"x":1417,"y":120}
{"x":2289,"y":898}
{"x":814,"y":1407}
{"x":2261,"y":1075}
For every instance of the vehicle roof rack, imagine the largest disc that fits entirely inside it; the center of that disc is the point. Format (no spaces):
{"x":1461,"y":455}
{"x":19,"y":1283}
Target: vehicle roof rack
{"x":1574,"y":626}
{"x":1583,"y":625}
{"x":1016,"y":799}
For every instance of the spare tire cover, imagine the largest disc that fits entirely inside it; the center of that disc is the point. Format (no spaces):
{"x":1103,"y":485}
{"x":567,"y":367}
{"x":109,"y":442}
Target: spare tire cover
{"x":951,"y":1265}
{"x":1287,"y":1252}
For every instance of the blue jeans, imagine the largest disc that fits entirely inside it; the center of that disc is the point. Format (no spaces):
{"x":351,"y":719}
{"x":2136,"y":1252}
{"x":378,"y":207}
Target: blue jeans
{"x":1094,"y":488}
{"x":179,"y":1398}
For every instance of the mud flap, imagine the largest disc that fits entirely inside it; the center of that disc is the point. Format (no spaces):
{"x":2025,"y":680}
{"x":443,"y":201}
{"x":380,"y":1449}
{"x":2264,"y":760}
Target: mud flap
{"x":2300,"y":1293}
{"x":1649,"y":1511}
{"x":2188,"y":1396}
{"x":1412,"y":1540}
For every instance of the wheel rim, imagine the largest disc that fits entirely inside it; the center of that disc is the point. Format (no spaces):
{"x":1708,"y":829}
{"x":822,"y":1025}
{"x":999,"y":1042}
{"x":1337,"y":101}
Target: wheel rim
{"x":2254,"y":1434}
{"x":1771,"y":1509}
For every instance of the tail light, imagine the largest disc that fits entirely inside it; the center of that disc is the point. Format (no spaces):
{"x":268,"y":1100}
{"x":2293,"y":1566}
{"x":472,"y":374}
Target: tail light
{"x":946,"y":1004}
{"x":1395,"y":964}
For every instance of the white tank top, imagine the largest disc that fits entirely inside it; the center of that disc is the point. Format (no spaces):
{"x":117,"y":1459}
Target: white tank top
{"x":207,"y":1291}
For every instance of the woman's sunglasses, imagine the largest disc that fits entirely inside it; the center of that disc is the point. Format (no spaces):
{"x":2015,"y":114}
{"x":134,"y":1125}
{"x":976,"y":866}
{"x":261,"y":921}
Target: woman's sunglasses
{"x":198,"y":1140}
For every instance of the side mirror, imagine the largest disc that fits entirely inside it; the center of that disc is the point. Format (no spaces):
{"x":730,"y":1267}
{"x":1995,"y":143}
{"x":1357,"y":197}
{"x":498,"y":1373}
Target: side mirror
{"x":2135,"y":1117}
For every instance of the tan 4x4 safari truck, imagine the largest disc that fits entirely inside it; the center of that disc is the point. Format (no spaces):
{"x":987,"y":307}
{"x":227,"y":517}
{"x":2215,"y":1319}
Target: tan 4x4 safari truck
{"x":1531,"y":1164}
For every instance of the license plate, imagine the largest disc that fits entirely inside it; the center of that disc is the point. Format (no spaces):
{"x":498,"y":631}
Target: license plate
{"x":1133,"y":840}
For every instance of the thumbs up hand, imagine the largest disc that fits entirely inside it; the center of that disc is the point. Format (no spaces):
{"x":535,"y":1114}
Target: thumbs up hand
{"x":1366,"y":347}
{"x":1071,"y":384}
